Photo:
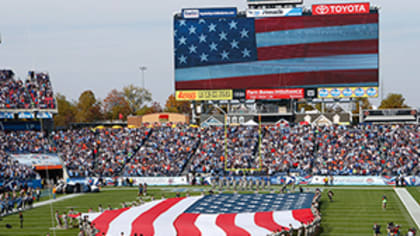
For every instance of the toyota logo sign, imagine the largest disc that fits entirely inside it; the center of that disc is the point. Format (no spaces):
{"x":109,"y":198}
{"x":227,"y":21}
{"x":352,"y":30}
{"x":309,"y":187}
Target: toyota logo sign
{"x":339,"y":9}
{"x":322,"y":10}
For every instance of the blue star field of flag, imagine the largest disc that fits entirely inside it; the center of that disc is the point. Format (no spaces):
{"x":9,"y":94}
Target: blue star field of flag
{"x":202,"y":42}
{"x":248,"y":203}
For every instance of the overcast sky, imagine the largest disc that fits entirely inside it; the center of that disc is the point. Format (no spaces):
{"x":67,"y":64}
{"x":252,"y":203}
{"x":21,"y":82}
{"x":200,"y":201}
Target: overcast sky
{"x":99,"y":45}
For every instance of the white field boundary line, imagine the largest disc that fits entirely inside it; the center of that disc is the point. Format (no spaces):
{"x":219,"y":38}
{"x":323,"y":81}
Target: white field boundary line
{"x":43,"y":203}
{"x":47,"y":202}
{"x":410,"y":204}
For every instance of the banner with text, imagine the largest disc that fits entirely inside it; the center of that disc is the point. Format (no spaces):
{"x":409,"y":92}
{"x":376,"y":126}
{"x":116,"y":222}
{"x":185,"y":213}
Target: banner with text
{"x":319,"y":180}
{"x":204,"y":95}
{"x":350,"y":92}
{"x":274,"y":12}
{"x":122,"y":181}
{"x":39,"y":161}
{"x":339,"y":9}
{"x":274,"y":94}
{"x":209,"y":13}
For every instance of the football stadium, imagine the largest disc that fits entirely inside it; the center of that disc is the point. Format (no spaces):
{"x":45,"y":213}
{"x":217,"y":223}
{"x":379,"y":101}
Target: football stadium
{"x":270,"y":129}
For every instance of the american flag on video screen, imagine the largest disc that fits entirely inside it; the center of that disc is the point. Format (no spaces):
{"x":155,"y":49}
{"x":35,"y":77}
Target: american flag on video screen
{"x":223,"y":214}
{"x":276,"y":52}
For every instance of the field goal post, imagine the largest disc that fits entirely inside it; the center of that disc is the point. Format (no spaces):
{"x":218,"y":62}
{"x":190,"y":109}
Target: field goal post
{"x":259,"y":158}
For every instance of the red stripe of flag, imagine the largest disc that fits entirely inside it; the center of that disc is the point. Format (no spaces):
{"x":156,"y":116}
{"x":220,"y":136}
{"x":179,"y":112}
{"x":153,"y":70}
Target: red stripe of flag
{"x":284,"y":80}
{"x":266,"y":220}
{"x":184,"y":224}
{"x":289,"y":23}
{"x":303,"y":215}
{"x":102,"y":222}
{"x":144,"y":223}
{"x":227,"y":223}
{"x":318,"y":49}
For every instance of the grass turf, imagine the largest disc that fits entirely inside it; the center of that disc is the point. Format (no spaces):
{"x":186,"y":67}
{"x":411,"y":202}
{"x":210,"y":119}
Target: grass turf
{"x":353,"y":212}
{"x":415,"y":192}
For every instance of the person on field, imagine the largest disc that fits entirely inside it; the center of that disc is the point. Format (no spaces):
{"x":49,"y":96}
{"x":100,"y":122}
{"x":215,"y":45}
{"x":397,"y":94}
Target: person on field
{"x":58,"y":219}
{"x":376,"y":230}
{"x":330,"y":195}
{"x":384,"y":202}
{"x":21,"y":219}
{"x":140,"y":190}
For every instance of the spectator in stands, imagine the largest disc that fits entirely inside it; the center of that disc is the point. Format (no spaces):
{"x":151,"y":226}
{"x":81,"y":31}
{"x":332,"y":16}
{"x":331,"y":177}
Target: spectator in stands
{"x":35,"y":92}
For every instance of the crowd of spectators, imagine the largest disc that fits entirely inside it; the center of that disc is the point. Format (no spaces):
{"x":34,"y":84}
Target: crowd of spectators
{"x":165,"y":152}
{"x":100,"y":152}
{"x":25,"y":142}
{"x":19,"y":142}
{"x":40,"y":90}
{"x":239,"y":144}
{"x":341,"y":150}
{"x":178,"y":149}
{"x":35,"y":92}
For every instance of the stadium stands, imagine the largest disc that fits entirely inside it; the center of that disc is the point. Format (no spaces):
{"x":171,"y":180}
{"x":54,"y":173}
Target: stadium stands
{"x":173,"y":150}
{"x":102,"y":152}
{"x":241,"y":149}
{"x":165,"y":153}
{"x":34,"y":93}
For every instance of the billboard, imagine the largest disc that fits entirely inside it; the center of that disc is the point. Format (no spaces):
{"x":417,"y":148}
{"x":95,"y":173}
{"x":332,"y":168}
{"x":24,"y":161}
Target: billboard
{"x":194,"y":13}
{"x":274,"y":12}
{"x":203,"y":95}
{"x":348,"y":92}
{"x":39,"y":161}
{"x":267,"y":94}
{"x":339,"y":9}
{"x":276,"y":52}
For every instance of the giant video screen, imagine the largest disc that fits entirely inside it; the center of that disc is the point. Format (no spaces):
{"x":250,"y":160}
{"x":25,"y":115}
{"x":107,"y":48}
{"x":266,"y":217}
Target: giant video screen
{"x":276,"y":52}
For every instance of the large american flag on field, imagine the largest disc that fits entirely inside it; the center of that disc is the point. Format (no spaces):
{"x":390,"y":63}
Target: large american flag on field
{"x":213,"y":215}
{"x":275,"y":52}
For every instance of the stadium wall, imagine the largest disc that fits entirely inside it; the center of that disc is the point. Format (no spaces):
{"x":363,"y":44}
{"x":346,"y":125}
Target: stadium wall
{"x":274,"y":180}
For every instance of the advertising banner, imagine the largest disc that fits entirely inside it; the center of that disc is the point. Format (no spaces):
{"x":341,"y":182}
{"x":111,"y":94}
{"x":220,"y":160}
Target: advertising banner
{"x":121,"y":181}
{"x":6,"y":115}
{"x":274,"y":94}
{"x":339,"y":9}
{"x":350,"y":180}
{"x":25,"y":115}
{"x":204,"y":95}
{"x":33,"y":183}
{"x":274,"y":180}
{"x":209,"y":13}
{"x":39,"y":161}
{"x":44,"y":115}
{"x":239,"y":94}
{"x":274,"y":12}
{"x":274,"y":2}
{"x":350,"y":92}
{"x":311,"y":93}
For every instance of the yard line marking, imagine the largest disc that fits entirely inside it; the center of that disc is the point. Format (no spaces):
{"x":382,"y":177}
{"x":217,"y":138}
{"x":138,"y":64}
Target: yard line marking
{"x":410,"y":204}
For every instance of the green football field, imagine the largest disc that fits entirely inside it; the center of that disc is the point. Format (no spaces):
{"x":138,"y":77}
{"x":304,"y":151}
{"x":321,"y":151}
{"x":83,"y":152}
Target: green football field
{"x":415,"y":192}
{"x":353,"y":211}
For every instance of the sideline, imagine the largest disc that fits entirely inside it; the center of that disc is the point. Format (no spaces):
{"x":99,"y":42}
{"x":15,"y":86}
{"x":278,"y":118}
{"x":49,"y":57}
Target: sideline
{"x":46,"y":202}
{"x":410,"y":204}
{"x":43,"y":203}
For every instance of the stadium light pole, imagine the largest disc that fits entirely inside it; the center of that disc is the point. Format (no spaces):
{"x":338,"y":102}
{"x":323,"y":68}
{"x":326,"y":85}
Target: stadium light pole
{"x":142,"y":69}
